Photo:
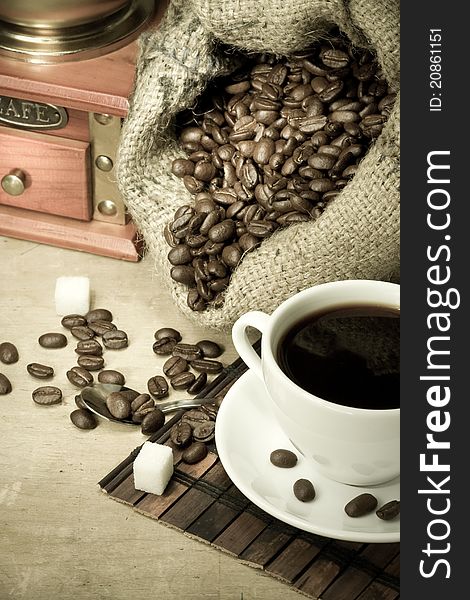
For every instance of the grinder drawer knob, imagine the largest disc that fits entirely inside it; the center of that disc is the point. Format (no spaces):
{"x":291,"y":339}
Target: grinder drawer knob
{"x":14,"y":182}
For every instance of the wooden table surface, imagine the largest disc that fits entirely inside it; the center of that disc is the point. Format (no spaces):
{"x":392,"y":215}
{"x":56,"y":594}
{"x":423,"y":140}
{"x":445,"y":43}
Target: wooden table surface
{"x":60,"y":536}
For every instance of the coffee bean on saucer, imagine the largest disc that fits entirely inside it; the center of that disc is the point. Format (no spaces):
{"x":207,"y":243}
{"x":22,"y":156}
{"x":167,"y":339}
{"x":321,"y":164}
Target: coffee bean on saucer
{"x":83,"y":419}
{"x":115,"y":339}
{"x":5,"y":385}
{"x":47,"y":395}
{"x":91,"y":363}
{"x":182,"y":381}
{"x":168,"y":332}
{"x":283,"y":458}
{"x":174,"y":366}
{"x":361,"y":505}
{"x":205,"y":365}
{"x":181,"y":434}
{"x":70,"y":321}
{"x":52,"y":340}
{"x":8,"y":353}
{"x":89,"y":347}
{"x":209,"y":349}
{"x":111,"y":376}
{"x":82,"y":332}
{"x":99,"y":314}
{"x":389,"y":511}
{"x":79,"y":377}
{"x":40,"y":371}
{"x":195,"y":453}
{"x":118,"y":405}
{"x":158,"y":386}
{"x":198,"y":384}
{"x":304,"y":490}
{"x":152,"y":422}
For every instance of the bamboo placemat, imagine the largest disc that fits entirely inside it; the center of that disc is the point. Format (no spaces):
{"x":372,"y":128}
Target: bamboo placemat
{"x":201,"y":501}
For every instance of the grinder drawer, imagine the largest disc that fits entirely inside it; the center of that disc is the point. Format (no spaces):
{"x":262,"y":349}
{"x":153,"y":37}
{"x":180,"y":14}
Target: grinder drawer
{"x":44,"y":173}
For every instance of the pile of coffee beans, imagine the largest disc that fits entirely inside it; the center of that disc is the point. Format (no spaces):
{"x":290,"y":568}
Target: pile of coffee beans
{"x":195,"y":429}
{"x":270,"y":146}
{"x":359,"y":506}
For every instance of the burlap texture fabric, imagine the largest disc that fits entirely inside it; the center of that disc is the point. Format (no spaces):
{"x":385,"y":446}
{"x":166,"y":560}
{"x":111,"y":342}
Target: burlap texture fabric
{"x":357,"y":236}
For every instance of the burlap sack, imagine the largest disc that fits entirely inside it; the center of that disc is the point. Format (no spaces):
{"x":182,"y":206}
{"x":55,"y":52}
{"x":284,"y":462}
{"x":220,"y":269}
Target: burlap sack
{"x":357,"y":236}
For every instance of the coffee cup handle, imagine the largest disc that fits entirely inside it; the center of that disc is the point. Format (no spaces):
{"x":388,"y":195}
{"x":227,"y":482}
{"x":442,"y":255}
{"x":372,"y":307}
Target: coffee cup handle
{"x":259,"y":320}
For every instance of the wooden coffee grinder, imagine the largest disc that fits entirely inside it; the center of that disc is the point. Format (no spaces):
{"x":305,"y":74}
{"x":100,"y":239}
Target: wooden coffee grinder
{"x":66,"y":72}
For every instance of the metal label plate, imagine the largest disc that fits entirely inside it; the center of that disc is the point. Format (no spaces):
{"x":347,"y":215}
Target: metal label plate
{"x":26,"y":114}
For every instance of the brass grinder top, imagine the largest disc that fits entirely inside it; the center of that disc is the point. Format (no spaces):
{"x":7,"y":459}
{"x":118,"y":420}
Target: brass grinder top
{"x":51,"y":31}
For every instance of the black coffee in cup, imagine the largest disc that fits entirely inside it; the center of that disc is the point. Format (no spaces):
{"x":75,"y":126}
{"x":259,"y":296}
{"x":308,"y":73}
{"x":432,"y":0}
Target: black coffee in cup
{"x":349,"y":356}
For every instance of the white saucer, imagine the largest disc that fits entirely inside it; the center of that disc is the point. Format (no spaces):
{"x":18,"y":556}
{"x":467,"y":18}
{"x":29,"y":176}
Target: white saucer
{"x":246,"y":433}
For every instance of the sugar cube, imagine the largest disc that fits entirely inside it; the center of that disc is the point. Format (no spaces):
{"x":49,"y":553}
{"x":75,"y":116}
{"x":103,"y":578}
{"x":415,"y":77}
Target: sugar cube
{"x":153,"y":468}
{"x":72,"y":295}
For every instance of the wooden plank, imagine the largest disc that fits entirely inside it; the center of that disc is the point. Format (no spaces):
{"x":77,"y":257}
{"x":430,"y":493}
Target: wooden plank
{"x":187,"y":509}
{"x":213,"y":521}
{"x":240,"y":533}
{"x":318,"y":577}
{"x":217,"y":477}
{"x":378,"y":591}
{"x":56,"y":173}
{"x":157,"y":505}
{"x":198,"y":469}
{"x":265,"y":546}
{"x":95,"y":237}
{"x":298,"y":554}
{"x":126,"y":491}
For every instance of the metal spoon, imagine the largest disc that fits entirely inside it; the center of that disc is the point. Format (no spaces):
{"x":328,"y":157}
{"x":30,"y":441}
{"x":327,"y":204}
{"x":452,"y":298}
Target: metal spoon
{"x":94,"y":397}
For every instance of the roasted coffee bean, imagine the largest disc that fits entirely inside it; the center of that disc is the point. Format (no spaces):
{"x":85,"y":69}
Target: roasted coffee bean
{"x":203,"y":365}
{"x":361,"y":505}
{"x":304,"y":490}
{"x":180,"y":255}
{"x":83,"y":419}
{"x":182,"y":381}
{"x":118,"y":405}
{"x":115,"y":340}
{"x":209,"y":349}
{"x":187,"y":351}
{"x":140,"y":401}
{"x":111,"y":376}
{"x":89,"y":347}
{"x":152,"y":421}
{"x":231,"y":255}
{"x":102,"y":327}
{"x":195,"y":302}
{"x":198,"y":384}
{"x":70,"y":321}
{"x":40,"y":371}
{"x":389,"y":511}
{"x":47,"y":395}
{"x":183,"y":274}
{"x":140,"y":415}
{"x":167,"y":332}
{"x":211,"y":410}
{"x":334,"y":58}
{"x":52,"y":340}
{"x":130,"y":394}
{"x":181,"y":434}
{"x":195,"y":416}
{"x":79,"y":377}
{"x":164,"y":346}
{"x":8,"y":353}
{"x":204,"y":432}
{"x":283,"y":458}
{"x":91,"y":363}
{"x":5,"y":385}
{"x":222,"y":231}
{"x":80,"y":403}
{"x":195,"y":453}
{"x":181,"y":167}
{"x":99,"y":314}
{"x":174,"y":366}
{"x":158,"y":386}
{"x":82,"y":332}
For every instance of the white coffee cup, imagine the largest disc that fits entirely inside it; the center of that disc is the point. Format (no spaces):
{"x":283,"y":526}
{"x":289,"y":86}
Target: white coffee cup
{"x":351,"y":445}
